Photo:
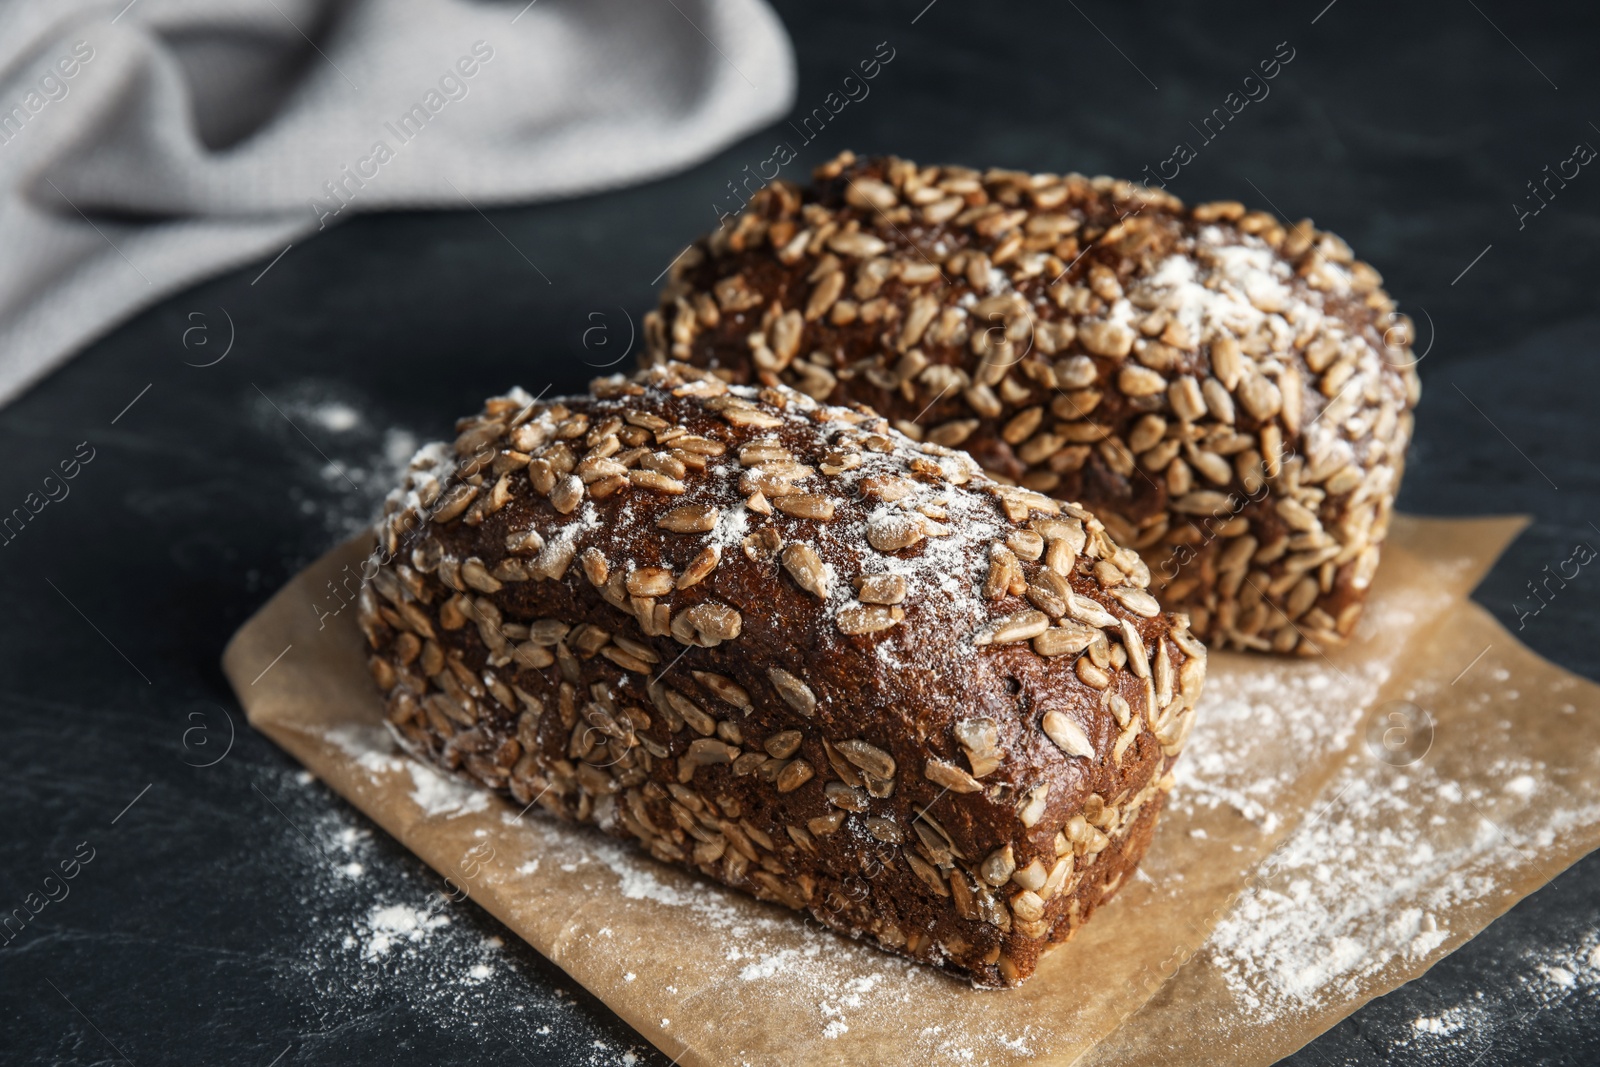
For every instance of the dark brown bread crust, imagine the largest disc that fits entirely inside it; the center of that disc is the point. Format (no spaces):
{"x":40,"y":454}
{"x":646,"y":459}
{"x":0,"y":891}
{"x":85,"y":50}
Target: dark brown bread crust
{"x":961,"y":758}
{"x":1231,"y":396}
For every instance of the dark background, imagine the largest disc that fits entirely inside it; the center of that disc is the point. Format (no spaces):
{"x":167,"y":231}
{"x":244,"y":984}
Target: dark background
{"x":209,"y":926}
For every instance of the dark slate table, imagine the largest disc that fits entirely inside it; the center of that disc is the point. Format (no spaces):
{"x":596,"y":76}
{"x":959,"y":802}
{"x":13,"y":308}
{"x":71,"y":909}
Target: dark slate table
{"x":226,"y":912}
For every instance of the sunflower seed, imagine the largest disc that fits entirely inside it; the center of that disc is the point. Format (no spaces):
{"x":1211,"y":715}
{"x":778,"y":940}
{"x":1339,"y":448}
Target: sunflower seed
{"x":786,"y":338}
{"x":882,"y":788}
{"x":1216,"y":470}
{"x":783,"y":744}
{"x":1294,"y":513}
{"x":1301,"y":597}
{"x":822,"y":297}
{"x":454,"y":502}
{"x":886,"y":830}
{"x":1031,"y":808}
{"x":650,"y":581}
{"x":860,"y":245}
{"x":526,"y":541}
{"x":1063,"y":641}
{"x":636,"y":649}
{"x":1021,"y":626}
{"x":951,"y":434}
{"x":1022,"y":425}
{"x":1091,"y":675}
{"x":838,"y":461}
{"x":1000,"y":865}
{"x":1002,"y":569}
{"x":725,"y":689}
{"x":843,"y":796}
{"x":595,"y":567}
{"x":1027,"y":544}
{"x":547,"y":632}
{"x":950,"y":776}
{"x":805,"y":567}
{"x":1204,"y":502}
{"x":1136,"y":600}
{"x":858,"y":619}
{"x":794,"y":775}
{"x":689,"y":712}
{"x":794,"y":692}
{"x":918,"y":316}
{"x":1103,"y":337}
{"x":1027,"y":905}
{"x":706,"y":752}
{"x":1138,"y":659}
{"x":1163,"y":675}
{"x":567,"y":493}
{"x":704,"y":562}
{"x":1191,"y":676}
{"x":1272,"y":449}
{"x":1227,"y":361}
{"x":594,"y":468}
{"x":805,"y":506}
{"x":625,"y":660}
{"x":690,"y":518}
{"x":765,"y":450}
{"x":1067,"y":734}
{"x":981,"y":740}
{"x":657,"y":481}
{"x":1138,"y":381}
{"x":1060,"y":557}
{"x":749,"y":763}
{"x":700,"y":446}
{"x":891,"y":531}
{"x":881,"y":588}
{"x":1218,"y":401}
{"x":713,"y":622}
{"x":1045,"y":598}
{"x":475,"y":574}
{"x":1259,"y":397}
{"x":926,"y":873}
{"x":869,"y":758}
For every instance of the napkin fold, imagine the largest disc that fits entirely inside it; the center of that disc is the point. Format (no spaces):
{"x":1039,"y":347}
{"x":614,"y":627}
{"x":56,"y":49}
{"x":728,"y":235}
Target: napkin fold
{"x":146,"y":145}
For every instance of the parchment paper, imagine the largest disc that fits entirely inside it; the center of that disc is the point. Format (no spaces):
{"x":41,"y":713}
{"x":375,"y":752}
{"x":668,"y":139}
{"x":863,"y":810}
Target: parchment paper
{"x":1402,"y":859}
{"x":713,"y":977}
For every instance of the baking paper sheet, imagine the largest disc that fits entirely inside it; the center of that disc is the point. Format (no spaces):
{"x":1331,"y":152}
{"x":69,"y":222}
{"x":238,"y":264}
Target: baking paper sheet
{"x":1281,"y":750}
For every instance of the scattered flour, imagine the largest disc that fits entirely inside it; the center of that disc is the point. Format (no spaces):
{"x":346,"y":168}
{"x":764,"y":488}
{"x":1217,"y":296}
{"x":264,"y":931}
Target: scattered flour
{"x":1439,"y":1025}
{"x":1522,"y":785}
{"x":371,"y":747}
{"x":1506,"y":1012}
{"x":355,"y":459}
{"x":770,"y":965}
{"x":336,"y":417}
{"x":1362,"y":887}
{"x":389,"y":923}
{"x":437,"y":794}
{"x":379,"y":943}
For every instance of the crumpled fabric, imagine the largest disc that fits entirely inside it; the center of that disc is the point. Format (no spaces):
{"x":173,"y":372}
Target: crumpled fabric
{"x":147,"y":145}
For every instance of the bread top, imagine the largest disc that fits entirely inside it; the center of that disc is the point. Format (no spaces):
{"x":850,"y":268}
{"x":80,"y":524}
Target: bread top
{"x":820,"y":572}
{"x":1030,"y":318}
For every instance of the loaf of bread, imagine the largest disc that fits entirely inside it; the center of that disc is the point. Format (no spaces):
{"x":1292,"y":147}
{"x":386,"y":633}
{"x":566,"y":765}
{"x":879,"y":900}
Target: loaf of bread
{"x":1230,"y":395}
{"x":783,"y":645}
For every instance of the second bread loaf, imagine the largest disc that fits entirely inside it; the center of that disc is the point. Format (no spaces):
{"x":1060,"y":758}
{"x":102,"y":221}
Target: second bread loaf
{"x":1232,"y":396}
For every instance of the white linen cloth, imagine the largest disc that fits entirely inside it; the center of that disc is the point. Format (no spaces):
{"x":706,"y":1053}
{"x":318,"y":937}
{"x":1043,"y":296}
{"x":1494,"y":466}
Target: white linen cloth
{"x":147,"y":145}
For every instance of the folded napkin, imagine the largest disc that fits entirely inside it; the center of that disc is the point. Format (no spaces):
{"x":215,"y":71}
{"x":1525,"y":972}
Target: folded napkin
{"x":145,"y":145}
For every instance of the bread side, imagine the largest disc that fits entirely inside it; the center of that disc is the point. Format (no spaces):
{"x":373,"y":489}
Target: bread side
{"x":1232,"y":396}
{"x":785,"y":646}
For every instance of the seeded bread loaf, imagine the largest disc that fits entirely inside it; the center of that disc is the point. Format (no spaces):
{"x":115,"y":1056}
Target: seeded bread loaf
{"x":1231,"y":396}
{"x":783,"y":645}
